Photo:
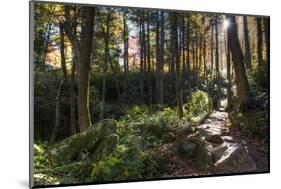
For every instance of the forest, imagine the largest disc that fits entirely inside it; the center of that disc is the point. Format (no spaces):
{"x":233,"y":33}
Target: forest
{"x":125,"y":94}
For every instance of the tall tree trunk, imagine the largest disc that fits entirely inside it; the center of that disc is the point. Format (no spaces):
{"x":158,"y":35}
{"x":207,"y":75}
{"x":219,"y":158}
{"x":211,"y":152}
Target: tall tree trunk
{"x":58,"y":98}
{"x":158,"y":51}
{"x":148,"y":63}
{"x":196,"y":53}
{"x":183,"y":40}
{"x":106,"y":53}
{"x":247,"y":43}
{"x":144,"y":43}
{"x":259,"y":40}
{"x":83,"y":50}
{"x":72,"y":97}
{"x":187,"y":57}
{"x":176,"y":60}
{"x":141,"y":58}
{"x":266,"y":32}
{"x":241,"y":80}
{"x":84,"y":67}
{"x":212,"y":49}
{"x":126,"y":54}
{"x":229,"y":91}
{"x":217,"y":62}
{"x":161,"y":85}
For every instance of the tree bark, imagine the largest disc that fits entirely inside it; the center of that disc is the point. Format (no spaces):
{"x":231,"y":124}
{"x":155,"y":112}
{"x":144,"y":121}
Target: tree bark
{"x":259,"y":40}
{"x":247,"y":43}
{"x":126,"y":54}
{"x":187,"y":57}
{"x":106,"y":53}
{"x":141,"y":57}
{"x":83,"y":50}
{"x":217,"y":62}
{"x":58,"y":98}
{"x":161,"y":85}
{"x":266,"y":32}
{"x":241,"y":80}
{"x":148,"y":63}
{"x":176,"y":60}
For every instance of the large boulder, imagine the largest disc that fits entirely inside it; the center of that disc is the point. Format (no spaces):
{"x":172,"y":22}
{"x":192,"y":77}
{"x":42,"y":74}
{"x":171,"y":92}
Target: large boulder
{"x":96,"y":142}
{"x":214,"y":138}
{"x":235,"y":160}
{"x":195,"y":147}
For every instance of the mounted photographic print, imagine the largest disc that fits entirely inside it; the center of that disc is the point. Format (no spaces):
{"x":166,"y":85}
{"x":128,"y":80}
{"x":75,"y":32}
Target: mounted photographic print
{"x":122,"y":94}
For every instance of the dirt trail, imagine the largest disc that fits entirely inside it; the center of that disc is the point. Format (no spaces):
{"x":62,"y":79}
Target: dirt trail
{"x":215,"y":124}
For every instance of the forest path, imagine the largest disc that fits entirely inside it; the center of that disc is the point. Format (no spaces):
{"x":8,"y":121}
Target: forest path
{"x":221,"y":139}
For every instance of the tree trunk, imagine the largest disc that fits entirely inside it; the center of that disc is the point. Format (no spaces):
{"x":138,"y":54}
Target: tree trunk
{"x":212,"y":49}
{"x":238,"y":63}
{"x":187,"y":57}
{"x":176,"y":60}
{"x":161,"y":85}
{"x":72,"y":97}
{"x":217,"y":62}
{"x":126,"y":66}
{"x":106,"y":53}
{"x":148,"y":63}
{"x":247,"y":43}
{"x":259,"y":40}
{"x":158,"y":63}
{"x":266,"y":32}
{"x":229,"y":91}
{"x":141,"y":57}
{"x":58,"y":98}
{"x":84,"y":67}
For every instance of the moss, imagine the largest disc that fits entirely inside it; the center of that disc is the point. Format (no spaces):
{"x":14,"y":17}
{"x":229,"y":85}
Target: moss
{"x":88,"y":141}
{"x":252,"y":123}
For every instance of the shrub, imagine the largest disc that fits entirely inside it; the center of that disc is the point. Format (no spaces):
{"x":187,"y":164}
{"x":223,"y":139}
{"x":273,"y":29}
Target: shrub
{"x":260,"y":76}
{"x":198,"y":106}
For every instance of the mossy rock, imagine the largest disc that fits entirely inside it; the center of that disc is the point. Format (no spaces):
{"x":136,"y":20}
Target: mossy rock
{"x":183,"y":132}
{"x":87,"y":142}
{"x":195,"y":147}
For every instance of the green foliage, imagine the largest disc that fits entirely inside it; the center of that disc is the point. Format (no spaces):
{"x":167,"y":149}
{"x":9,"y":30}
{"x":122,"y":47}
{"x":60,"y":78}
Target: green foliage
{"x":198,"y":106}
{"x":167,"y":118}
{"x":253,"y":124}
{"x":125,"y":164}
{"x":260,"y":76}
{"x":135,"y":113}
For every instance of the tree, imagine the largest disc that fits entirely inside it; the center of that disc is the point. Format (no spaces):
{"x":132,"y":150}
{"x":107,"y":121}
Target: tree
{"x":176,"y":61}
{"x":126,"y":53}
{"x":241,"y":80}
{"x":247,"y":43}
{"x":142,"y":57}
{"x":259,"y":40}
{"x":187,"y":55}
{"x":148,"y":60}
{"x":161,"y":61}
{"x":266,"y":32}
{"x":106,"y":59}
{"x":83,"y":49}
{"x":217,"y":60}
{"x":64,"y":75}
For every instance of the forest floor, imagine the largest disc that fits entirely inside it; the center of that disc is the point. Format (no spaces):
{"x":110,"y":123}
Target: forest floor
{"x":180,"y":166}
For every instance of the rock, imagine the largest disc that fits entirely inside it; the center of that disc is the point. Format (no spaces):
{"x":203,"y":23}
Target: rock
{"x":183,"y":132}
{"x":235,"y":160}
{"x":169,"y":137}
{"x":194,"y":147}
{"x":215,"y":138}
{"x":97,"y":141}
{"x":218,"y":152}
